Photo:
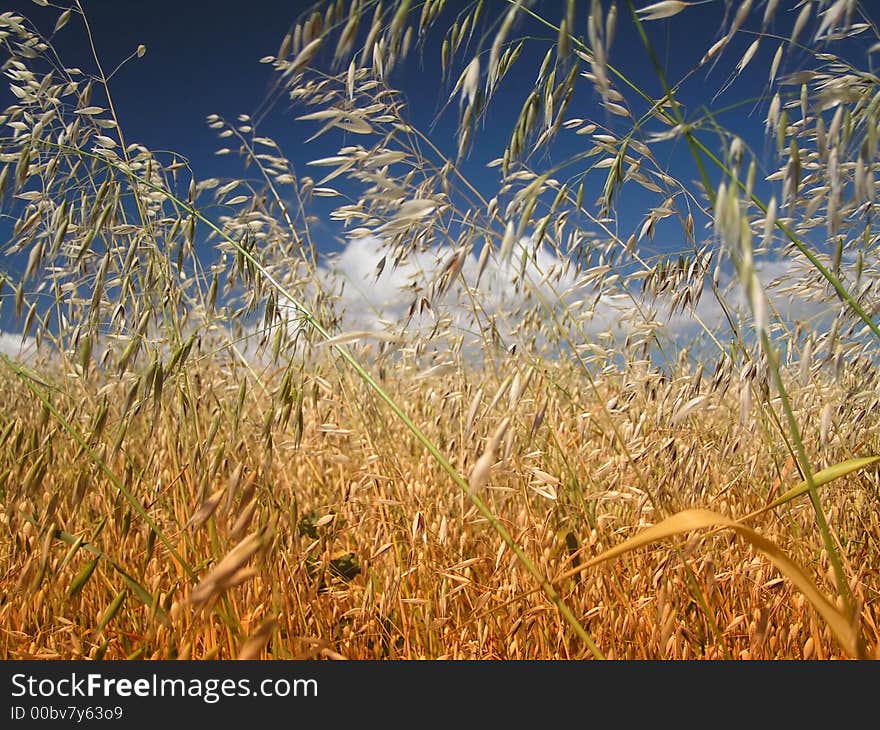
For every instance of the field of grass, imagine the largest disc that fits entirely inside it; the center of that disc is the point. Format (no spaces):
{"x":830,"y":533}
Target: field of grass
{"x":201,"y":457}
{"x":353,"y":542}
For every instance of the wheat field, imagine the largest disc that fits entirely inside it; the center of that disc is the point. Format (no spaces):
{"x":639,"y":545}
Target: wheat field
{"x":208,"y":451}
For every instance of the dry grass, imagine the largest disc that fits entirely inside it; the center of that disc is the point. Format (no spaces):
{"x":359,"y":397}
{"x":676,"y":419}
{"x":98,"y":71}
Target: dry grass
{"x":357,"y":545}
{"x":206,"y":459}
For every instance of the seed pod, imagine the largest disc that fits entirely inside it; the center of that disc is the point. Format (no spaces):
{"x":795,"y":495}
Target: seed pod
{"x":82,"y":578}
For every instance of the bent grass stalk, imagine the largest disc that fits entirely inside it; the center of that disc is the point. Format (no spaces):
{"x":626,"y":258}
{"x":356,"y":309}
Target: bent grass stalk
{"x":596,"y":468}
{"x":696,"y":147}
{"x":346,"y":355}
{"x":803,"y":461}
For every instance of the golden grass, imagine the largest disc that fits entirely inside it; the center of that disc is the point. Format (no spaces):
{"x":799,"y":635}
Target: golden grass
{"x":205,"y":461}
{"x":354,"y":544}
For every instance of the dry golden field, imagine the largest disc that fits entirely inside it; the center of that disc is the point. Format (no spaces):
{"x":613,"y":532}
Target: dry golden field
{"x":577,"y":430}
{"x":349,"y":541}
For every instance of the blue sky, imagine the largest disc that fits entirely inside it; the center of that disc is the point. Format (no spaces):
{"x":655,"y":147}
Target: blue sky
{"x":203,"y":58}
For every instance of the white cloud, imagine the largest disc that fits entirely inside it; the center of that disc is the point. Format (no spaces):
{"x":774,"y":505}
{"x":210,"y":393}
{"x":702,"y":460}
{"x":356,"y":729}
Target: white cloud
{"x":17,"y":349}
{"x":384,"y":302}
{"x":368,"y":302}
{"x":555,"y":288}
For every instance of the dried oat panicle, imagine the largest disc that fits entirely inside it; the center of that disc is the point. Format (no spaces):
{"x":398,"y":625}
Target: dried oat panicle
{"x":480,"y":473}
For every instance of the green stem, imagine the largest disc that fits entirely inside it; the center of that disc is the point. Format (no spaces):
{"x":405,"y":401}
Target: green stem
{"x":807,"y":473}
{"x":346,"y":355}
